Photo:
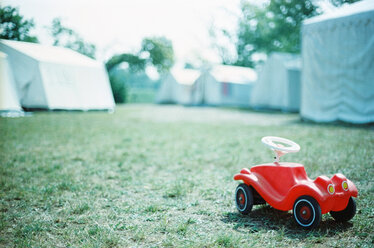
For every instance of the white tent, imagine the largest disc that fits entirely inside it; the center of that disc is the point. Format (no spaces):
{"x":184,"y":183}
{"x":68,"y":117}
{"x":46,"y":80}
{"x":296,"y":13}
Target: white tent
{"x":206,"y":90}
{"x":225,"y":85}
{"x":177,"y":86}
{"x":50,"y":77}
{"x":278,"y":85}
{"x":338,"y":65}
{"x":8,"y":96}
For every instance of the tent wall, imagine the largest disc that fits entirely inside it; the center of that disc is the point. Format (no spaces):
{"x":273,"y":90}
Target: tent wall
{"x":190,"y":87}
{"x":338,"y":66}
{"x":206,"y":90}
{"x":224,"y":85}
{"x":184,"y":94}
{"x":171,"y":91}
{"x":178,"y":86}
{"x":83,"y":85}
{"x":165,"y":93}
{"x":235,"y":94}
{"x":8,"y":95}
{"x":27,"y":78}
{"x":278,"y":85}
{"x":197,"y":94}
{"x":236,"y":83}
{"x":57,"y":78}
{"x":212,"y":91}
{"x":186,"y":79}
{"x":294,"y":90}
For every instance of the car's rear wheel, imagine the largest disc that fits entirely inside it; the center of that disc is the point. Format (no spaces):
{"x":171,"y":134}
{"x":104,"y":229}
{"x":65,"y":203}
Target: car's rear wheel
{"x":346,"y":214}
{"x":244,"y":198}
{"x":307,"y":212}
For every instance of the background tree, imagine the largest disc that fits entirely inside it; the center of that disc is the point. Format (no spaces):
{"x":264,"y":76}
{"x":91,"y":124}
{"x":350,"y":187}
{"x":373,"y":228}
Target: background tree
{"x":134,"y":62}
{"x":67,"y":37}
{"x":13,"y":26}
{"x":273,"y":27}
{"x":118,"y":86}
{"x":223,"y":42}
{"x":158,"y":52}
{"x":119,"y":78}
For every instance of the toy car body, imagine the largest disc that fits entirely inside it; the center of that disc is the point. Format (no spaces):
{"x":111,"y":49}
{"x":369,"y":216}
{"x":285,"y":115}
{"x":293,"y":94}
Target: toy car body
{"x":286,"y":186}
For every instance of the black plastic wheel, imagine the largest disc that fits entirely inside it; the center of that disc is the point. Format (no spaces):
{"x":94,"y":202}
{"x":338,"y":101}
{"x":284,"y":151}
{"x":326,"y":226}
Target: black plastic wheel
{"x":307,"y":212}
{"x":244,"y":198}
{"x":346,"y":214}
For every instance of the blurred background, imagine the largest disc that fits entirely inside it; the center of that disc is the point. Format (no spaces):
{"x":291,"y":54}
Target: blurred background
{"x":219,"y":53}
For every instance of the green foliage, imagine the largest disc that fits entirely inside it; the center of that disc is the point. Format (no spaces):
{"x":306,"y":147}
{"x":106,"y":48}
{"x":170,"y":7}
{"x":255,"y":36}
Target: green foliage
{"x":159,"y":52}
{"x":128,"y":86}
{"x":134,"y":62}
{"x":13,"y":26}
{"x":67,"y":37}
{"x":274,"y":27}
{"x":118,"y":87}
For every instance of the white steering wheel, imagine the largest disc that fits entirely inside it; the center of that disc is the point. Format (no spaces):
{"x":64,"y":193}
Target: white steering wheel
{"x":280,"y":149}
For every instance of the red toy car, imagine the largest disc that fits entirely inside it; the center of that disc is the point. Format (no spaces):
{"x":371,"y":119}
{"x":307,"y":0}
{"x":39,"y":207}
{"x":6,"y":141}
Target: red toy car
{"x":286,"y":186}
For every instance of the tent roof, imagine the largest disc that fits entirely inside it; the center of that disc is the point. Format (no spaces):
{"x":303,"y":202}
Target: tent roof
{"x":185,"y":76}
{"x":47,"y":53}
{"x":234,"y":74}
{"x":344,"y":11}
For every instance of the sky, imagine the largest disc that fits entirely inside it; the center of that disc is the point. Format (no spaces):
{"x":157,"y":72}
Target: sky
{"x":116,"y":26}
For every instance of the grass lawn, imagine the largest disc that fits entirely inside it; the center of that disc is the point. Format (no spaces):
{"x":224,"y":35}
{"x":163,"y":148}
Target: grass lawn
{"x":161,"y":176}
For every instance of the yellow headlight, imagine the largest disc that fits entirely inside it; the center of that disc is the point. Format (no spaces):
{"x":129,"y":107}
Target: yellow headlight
{"x":345,"y":185}
{"x":331,"y":189}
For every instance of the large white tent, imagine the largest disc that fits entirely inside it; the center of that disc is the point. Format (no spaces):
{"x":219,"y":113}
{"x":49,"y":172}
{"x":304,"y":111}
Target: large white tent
{"x":8,"y":95}
{"x":338,"y":65}
{"x":177,"y":86}
{"x":278,"y":85}
{"x":49,"y":77}
{"x":225,"y":85}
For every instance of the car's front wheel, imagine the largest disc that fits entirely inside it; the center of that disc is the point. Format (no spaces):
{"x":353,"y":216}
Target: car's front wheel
{"x":307,"y":212}
{"x":244,"y":198}
{"x":346,"y":214}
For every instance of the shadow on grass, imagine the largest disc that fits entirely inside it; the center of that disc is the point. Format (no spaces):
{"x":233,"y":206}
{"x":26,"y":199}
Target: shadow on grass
{"x":309,"y":123}
{"x":269,"y":111}
{"x":301,"y":120}
{"x":265,"y":218}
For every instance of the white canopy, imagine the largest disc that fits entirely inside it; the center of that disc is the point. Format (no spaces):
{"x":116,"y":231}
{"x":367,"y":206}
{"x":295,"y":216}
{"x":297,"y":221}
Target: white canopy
{"x":234,"y":74}
{"x":278,"y":85}
{"x":177,"y":86}
{"x":8,"y":96}
{"x":338,"y":65}
{"x":50,"y":77}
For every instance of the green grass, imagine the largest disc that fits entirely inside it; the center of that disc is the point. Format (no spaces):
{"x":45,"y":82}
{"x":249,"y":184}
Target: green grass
{"x":162,"y":177}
